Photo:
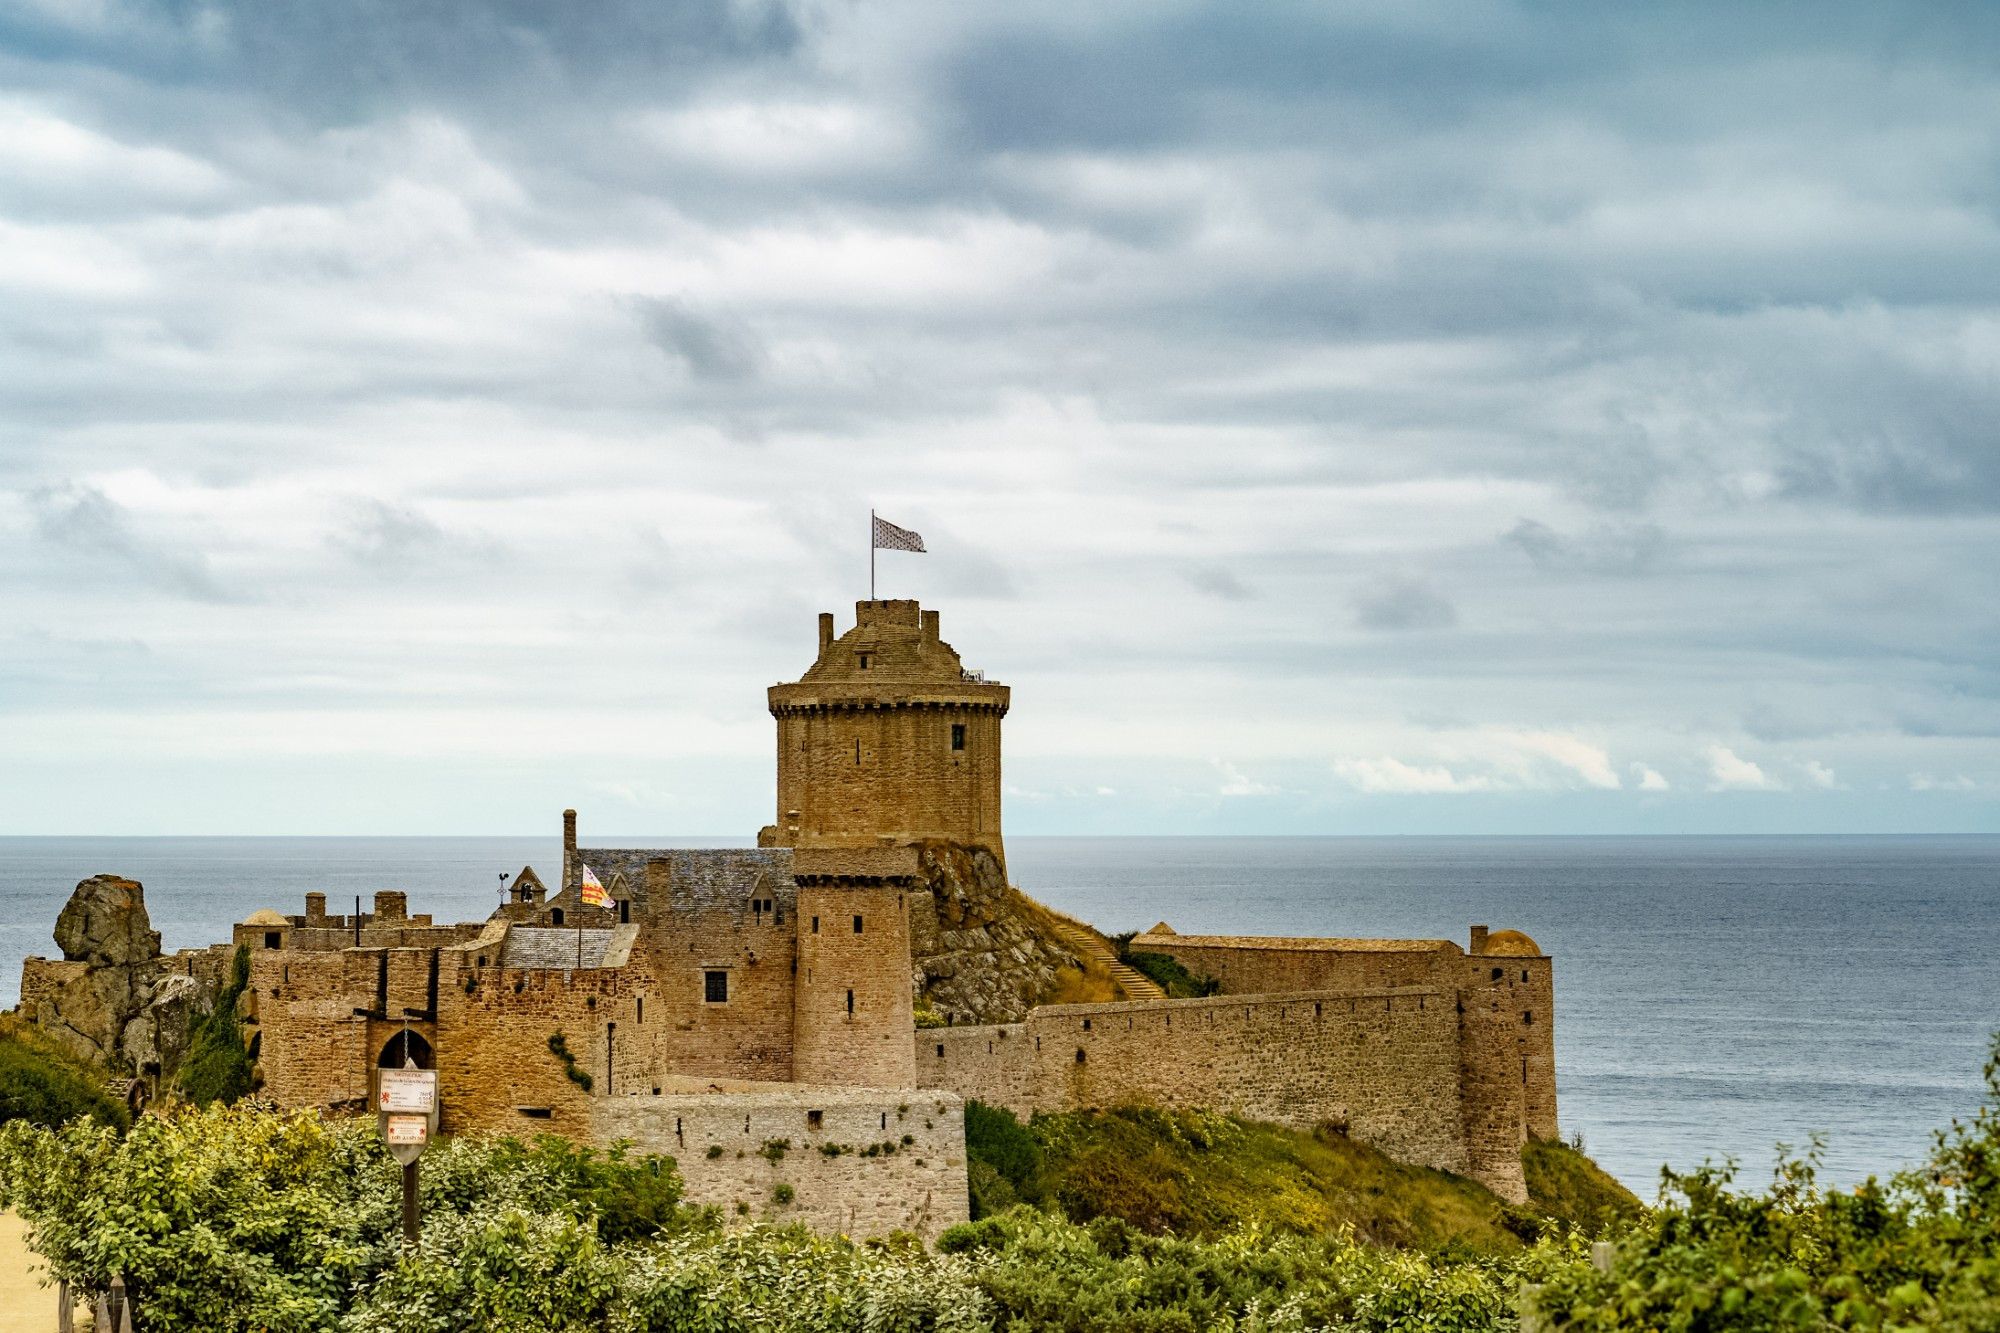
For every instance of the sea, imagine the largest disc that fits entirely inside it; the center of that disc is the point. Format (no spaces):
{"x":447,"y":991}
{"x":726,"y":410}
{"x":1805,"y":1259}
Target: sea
{"x":1716,"y":997}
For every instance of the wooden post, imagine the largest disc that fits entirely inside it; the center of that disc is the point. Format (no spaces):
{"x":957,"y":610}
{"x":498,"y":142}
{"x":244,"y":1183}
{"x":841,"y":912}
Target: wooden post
{"x":410,"y":1205}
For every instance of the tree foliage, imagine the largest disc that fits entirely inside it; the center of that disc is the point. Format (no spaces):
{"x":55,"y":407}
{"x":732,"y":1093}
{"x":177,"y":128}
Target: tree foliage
{"x":238,"y":1218}
{"x":217,"y":1067}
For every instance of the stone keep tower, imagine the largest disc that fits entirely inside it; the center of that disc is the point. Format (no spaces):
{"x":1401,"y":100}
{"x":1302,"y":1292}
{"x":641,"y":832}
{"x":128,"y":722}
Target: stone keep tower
{"x":887,"y":739}
{"x":884,"y":742}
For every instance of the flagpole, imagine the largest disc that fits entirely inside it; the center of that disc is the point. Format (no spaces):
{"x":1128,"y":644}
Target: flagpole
{"x":871,"y":555}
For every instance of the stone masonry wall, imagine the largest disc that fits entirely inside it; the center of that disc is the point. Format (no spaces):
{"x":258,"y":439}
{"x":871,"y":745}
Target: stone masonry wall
{"x":1523,"y":987}
{"x":1383,"y":1062}
{"x":852,"y":1017}
{"x":859,"y":1162}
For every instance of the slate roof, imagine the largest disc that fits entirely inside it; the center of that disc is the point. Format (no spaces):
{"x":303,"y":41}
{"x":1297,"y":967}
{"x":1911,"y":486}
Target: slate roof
{"x":555,"y":946}
{"x":703,"y":877}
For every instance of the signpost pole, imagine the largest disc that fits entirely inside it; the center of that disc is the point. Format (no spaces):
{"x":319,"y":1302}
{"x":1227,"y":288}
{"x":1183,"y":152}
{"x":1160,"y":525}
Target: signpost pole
{"x":406,"y":1110}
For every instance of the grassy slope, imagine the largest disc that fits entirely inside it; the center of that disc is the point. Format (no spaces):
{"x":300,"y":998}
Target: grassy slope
{"x":1197,"y":1173}
{"x":42,"y":1082}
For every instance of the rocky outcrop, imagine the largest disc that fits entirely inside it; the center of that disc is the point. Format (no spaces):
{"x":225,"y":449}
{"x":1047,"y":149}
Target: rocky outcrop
{"x":112,"y":999}
{"x":981,"y":950}
{"x":105,"y":922}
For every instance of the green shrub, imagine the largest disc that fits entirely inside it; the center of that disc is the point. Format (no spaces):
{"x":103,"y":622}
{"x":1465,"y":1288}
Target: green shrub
{"x":559,"y":1047}
{"x":1919,"y":1251}
{"x":217,"y":1067}
{"x":1003,"y":1159}
{"x":233,"y":1219}
{"x":1167,"y":973}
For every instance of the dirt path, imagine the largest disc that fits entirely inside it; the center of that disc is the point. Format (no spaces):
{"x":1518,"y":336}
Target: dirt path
{"x":26,"y":1306}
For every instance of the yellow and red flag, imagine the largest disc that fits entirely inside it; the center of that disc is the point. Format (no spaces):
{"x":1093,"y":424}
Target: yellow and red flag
{"x":592,"y":893}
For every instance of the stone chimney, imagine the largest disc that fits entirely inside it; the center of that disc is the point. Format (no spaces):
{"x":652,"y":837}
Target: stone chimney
{"x":315,"y":907}
{"x":569,"y":851}
{"x":1479,"y":939}
{"x":931,"y":626}
{"x":825,"y":632}
{"x":391,"y":905}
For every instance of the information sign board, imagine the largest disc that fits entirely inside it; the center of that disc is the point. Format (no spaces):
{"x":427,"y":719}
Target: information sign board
{"x":407,"y":1091}
{"x":407,"y":1130}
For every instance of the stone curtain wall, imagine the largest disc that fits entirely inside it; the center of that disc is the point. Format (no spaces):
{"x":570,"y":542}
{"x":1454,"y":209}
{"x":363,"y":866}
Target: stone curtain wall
{"x":1509,"y":1038}
{"x":995,"y":1064}
{"x":1385,"y":1063}
{"x":1247,"y":965}
{"x":842,"y":1152}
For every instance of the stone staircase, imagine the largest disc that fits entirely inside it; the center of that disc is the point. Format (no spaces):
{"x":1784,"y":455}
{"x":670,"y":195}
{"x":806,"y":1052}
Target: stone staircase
{"x":1087,"y":942}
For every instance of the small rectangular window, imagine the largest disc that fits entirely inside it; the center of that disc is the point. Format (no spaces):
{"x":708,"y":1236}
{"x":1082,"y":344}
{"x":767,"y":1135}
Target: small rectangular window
{"x":815,"y":1120}
{"x":958,"y":735}
{"x":850,"y":1004}
{"x":857,"y":925}
{"x":815,"y":925}
{"x":273,"y":939}
{"x":715,"y":987}
{"x":639,"y":1009}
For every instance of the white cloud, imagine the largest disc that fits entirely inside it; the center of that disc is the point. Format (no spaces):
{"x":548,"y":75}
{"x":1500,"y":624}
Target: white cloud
{"x":1234,"y":783}
{"x":1391,"y":775}
{"x":1649,"y":778}
{"x":1587,"y":761}
{"x":1820,"y":776}
{"x":1925,"y":782}
{"x":1730,"y":772}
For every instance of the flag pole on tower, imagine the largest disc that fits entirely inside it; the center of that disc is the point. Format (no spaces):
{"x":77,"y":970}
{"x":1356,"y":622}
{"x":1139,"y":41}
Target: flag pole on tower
{"x":886,"y":536}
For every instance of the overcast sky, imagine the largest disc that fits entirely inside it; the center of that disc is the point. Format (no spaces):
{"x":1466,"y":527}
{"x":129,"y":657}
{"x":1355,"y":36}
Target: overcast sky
{"x":1382,"y":417}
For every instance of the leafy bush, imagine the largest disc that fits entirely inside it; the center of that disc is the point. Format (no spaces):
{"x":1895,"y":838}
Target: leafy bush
{"x":1167,"y":973}
{"x":1003,"y":1160}
{"x":1921,"y":1251}
{"x":45,"y":1085}
{"x":241,"y":1218}
{"x":217,"y":1068}
{"x":233,"y":1219}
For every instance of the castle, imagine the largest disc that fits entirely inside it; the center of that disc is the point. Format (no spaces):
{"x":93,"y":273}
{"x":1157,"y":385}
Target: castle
{"x":751,"y":1011}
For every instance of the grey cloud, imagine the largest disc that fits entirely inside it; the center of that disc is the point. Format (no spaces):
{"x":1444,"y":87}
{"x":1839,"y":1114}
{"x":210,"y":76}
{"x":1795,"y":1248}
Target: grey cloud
{"x":1621,"y":549}
{"x":1215,"y":581}
{"x":1714,"y":283}
{"x":92,"y":531}
{"x":391,"y":538}
{"x":381,"y":57}
{"x":714,"y":348}
{"x":1402,"y":602}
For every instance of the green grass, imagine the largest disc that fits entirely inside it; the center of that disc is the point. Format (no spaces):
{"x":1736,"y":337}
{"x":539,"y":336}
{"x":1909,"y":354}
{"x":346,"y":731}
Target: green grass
{"x":1566,"y":1185}
{"x":1201,"y":1174}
